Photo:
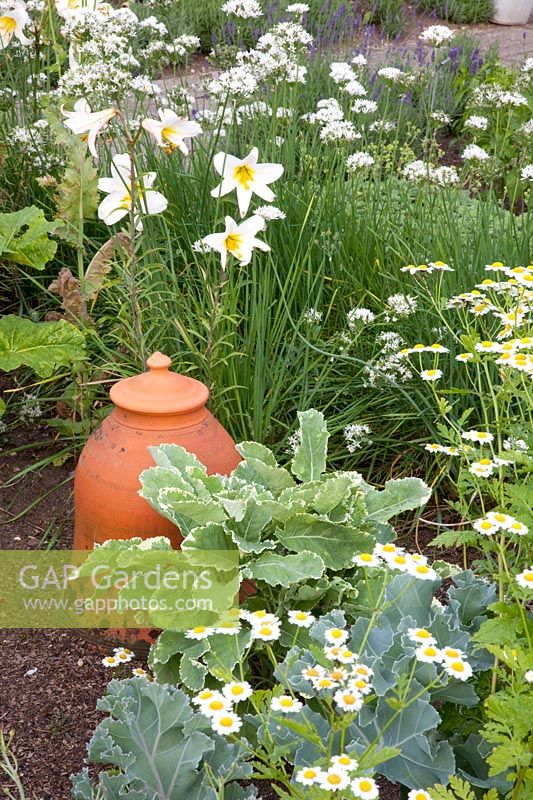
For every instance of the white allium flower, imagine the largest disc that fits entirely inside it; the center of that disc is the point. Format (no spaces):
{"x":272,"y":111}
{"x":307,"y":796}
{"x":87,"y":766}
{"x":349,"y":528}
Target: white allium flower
{"x":528,"y":65}
{"x":341,"y":72}
{"x":356,"y":435}
{"x":529,"y":676}
{"x":441,"y":117}
{"x":392,"y":74}
{"x":526,"y":173}
{"x":363,"y":315}
{"x":340,"y":131}
{"x":358,"y":161}
{"x":245,"y":9}
{"x":526,"y":128}
{"x":359,"y":60}
{"x":269,"y":213}
{"x":477,"y":122}
{"x":444,"y":176}
{"x":400,"y":305}
{"x":474,"y":153}
{"x":312,"y":317}
{"x":436,"y":35}
{"x":364,"y":107}
{"x":298,"y":8}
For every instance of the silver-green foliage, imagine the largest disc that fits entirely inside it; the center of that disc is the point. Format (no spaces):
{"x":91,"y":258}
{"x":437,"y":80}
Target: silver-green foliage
{"x":159,"y":749}
{"x":292,"y":527}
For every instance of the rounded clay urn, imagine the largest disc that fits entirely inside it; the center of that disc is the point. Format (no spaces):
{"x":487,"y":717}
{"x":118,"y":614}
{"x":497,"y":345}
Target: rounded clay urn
{"x":156,"y":407}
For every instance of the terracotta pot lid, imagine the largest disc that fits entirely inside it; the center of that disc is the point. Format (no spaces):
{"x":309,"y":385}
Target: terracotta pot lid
{"x":159,"y":391}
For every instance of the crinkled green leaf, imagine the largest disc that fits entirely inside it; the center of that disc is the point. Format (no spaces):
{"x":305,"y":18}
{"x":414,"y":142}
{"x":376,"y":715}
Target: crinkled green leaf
{"x":309,"y":460}
{"x":279,"y":570}
{"x":42,"y":346}
{"x":24,"y":238}
{"x":402,"y":494}
{"x":335,"y":543}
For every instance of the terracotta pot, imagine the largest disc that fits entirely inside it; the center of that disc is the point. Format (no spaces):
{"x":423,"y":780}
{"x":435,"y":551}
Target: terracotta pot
{"x":512,"y":12}
{"x":156,"y":407}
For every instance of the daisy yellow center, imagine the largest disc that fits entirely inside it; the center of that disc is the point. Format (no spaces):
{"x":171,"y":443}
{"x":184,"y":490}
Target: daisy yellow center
{"x":244,"y":175}
{"x":7,"y":25}
{"x":309,"y":774}
{"x":216,"y":705}
{"x":334,"y":779}
{"x":347,"y":654}
{"x":313,"y":673}
{"x":365,"y":557}
{"x":529,"y":577}
{"x":422,"y":634}
{"x":500,"y":517}
{"x":286,"y":702}
{"x":420,"y":796}
{"x":233,"y":243}
{"x":206,"y":695}
{"x":400,"y":560}
{"x":226,"y":722}
{"x":345,"y":761}
{"x":422,"y":569}
{"x":430,"y":651}
{"x":452,"y":653}
{"x":458,"y":666}
{"x":516,"y":526}
{"x":349,"y":699}
{"x":361,"y":684}
{"x":324,"y":683}
{"x":431,"y":372}
{"x":199,"y":629}
{"x":389,"y":548}
{"x":365,"y":786}
{"x":236,"y":690}
{"x":265,"y":631}
{"x":336,"y":675}
{"x":301,"y":615}
{"x":73,"y":3}
{"x":485,"y":462}
{"x":486,"y":526}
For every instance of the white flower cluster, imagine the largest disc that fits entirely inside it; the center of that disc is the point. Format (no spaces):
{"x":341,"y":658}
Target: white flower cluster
{"x":474,"y":153}
{"x":436,"y":35}
{"x":420,"y":171}
{"x":451,"y":659}
{"x":245,"y":9}
{"x":389,"y":367}
{"x":476,"y":122}
{"x":399,"y":305}
{"x":496,"y":96}
{"x":390,"y":556}
{"x":121,"y":655}
{"x":356,"y":435}
{"x":359,"y":315}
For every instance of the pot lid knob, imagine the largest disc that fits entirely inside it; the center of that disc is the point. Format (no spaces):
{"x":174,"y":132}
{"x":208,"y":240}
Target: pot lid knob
{"x":159,"y":390}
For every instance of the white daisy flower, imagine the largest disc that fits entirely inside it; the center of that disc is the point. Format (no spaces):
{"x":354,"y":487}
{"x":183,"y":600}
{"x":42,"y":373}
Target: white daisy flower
{"x":359,"y":686}
{"x":346,"y":656}
{"x":344,"y":761}
{"x":311,"y":673}
{"x":387,"y":550}
{"x":525,"y":578}
{"x":267,"y":632}
{"x":336,"y":635}
{"x":485,"y":526}
{"x":203,"y":696}
{"x":428,"y":653}
{"x":421,"y":635}
{"x":226,"y":722}
{"x":362,"y":671}
{"x":303,"y":619}
{"x":366,"y":560}
{"x":338,"y":674}
{"x":323,"y":683}
{"x":483,"y":437}
{"x":333,"y":779}
{"x":453,"y":654}
{"x":124,"y":655}
{"x":423,"y":572}
{"x":348,"y":700}
{"x":431,"y":374}
{"x":286,"y":704}
{"x":482,"y":468}
{"x":418,"y":794}
{"x":199,"y":632}
{"x":333,"y":651}
{"x":110,"y":661}
{"x":459,"y":669}
{"x":236,"y":691}
{"x":365,"y":788}
{"x":307,"y":776}
{"x":518,"y":528}
{"x":215,"y":705}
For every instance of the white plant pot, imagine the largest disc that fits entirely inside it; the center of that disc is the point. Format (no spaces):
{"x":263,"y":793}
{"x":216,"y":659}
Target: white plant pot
{"x":512,"y":12}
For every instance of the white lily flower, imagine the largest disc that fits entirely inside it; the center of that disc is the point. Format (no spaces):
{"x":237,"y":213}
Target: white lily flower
{"x":71,"y":8}
{"x":170,"y":130}
{"x":246,"y":176}
{"x":118,"y":202}
{"x":86,"y":123}
{"x":12,"y":23}
{"x":239,"y":240}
